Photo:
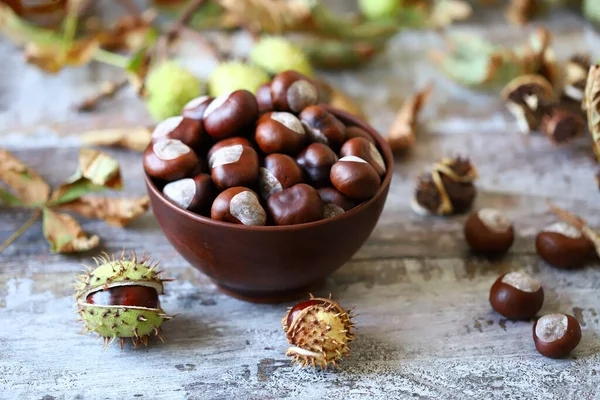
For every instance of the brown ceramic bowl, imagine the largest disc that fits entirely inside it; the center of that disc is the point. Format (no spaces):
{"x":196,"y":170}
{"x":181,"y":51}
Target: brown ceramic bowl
{"x":272,"y":263}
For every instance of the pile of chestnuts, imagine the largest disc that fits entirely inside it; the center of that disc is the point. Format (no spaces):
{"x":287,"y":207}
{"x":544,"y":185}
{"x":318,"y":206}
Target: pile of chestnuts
{"x":277,"y":158}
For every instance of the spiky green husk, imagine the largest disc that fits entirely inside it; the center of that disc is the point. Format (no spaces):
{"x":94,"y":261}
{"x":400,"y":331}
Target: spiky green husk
{"x":116,"y":321}
{"x":232,"y":76}
{"x":320,"y":334}
{"x":169,"y":88}
{"x":276,"y":54}
{"x":377,"y":9}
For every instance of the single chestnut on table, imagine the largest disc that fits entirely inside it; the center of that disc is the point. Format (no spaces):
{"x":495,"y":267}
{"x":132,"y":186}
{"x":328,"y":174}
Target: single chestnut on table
{"x":169,"y":160}
{"x":239,"y":205}
{"x":263,"y":97}
{"x":316,"y":161}
{"x":556,"y":335}
{"x":293,"y":92}
{"x":489,"y":231}
{"x":194,"y":194}
{"x":229,"y":114}
{"x":366,"y":150}
{"x":280,"y":172}
{"x":323,"y":127}
{"x":188,"y":130}
{"x":296,"y":205}
{"x":280,"y":132}
{"x":235,"y":165}
{"x":355,"y":178}
{"x":194,"y":109}
{"x":335,"y":202}
{"x":563,"y":246}
{"x":516,"y":296}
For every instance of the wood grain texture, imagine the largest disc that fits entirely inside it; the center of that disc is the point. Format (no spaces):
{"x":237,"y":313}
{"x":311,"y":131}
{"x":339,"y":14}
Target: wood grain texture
{"x":425,"y":327}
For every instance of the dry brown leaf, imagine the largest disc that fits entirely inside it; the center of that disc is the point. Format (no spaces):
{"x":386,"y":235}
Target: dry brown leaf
{"x":51,"y":58}
{"x":274,"y":16}
{"x":129,"y":32}
{"x":401,"y":134}
{"x":115,"y":211}
{"x":445,"y":12}
{"x":129,"y":138}
{"x":65,"y":235}
{"x":27,"y":185}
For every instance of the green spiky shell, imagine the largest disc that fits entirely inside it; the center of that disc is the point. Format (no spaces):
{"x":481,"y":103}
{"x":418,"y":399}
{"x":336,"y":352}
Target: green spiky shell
{"x":376,"y":9}
{"x":319,"y":334}
{"x":276,"y":54}
{"x":235,"y":75}
{"x":117,"y":321}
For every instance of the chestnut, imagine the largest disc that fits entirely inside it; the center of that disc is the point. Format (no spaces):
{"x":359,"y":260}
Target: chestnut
{"x":169,"y":160}
{"x":263,"y":98}
{"x":296,"y":205}
{"x":129,"y":296}
{"x":563,"y":246}
{"x":235,"y":165}
{"x":292,"y":91}
{"x":556,"y":335}
{"x":316,"y":160}
{"x":238,"y":205}
{"x":489,"y":231}
{"x":280,"y":132}
{"x":229,"y":114}
{"x":323,"y":127}
{"x":194,"y":109}
{"x":194,"y":194}
{"x":279,"y":172}
{"x":366,"y":150}
{"x":189,"y":131}
{"x":227,"y":142}
{"x":331,"y":195}
{"x":355,"y":131}
{"x":517,"y":296}
{"x":355,"y":178}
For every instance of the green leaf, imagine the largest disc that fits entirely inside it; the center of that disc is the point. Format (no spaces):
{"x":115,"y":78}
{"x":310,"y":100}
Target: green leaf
{"x":8,"y":199}
{"x":64,"y":234}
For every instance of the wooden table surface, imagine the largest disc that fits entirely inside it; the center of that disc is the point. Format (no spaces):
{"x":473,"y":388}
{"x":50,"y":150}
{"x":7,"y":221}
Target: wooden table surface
{"x":425,"y":327}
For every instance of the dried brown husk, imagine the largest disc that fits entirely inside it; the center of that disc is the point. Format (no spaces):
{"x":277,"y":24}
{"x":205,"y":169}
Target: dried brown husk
{"x":578,"y":223}
{"x":402,"y":133}
{"x":136,"y":139}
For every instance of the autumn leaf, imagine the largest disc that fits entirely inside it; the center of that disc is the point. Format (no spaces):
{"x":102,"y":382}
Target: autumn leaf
{"x":51,"y":57}
{"x":130,"y":32}
{"x":445,"y":12}
{"x":65,"y":235}
{"x":96,"y":172}
{"x":8,"y":199}
{"x":401,"y":134}
{"x":115,"y":211}
{"x":28,"y":187}
{"x":272,"y":16}
{"x":129,"y":138}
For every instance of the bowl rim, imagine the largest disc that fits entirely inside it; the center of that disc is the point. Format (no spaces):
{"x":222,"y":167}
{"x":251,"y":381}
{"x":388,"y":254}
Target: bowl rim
{"x":346,"y":117}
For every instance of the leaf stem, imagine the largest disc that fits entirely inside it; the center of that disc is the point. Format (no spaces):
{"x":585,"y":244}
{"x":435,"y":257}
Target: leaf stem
{"x":21,"y":230}
{"x":110,"y":58}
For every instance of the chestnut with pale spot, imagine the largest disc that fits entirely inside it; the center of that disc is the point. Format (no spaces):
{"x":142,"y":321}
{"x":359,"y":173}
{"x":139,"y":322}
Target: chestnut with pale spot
{"x":563,"y":246}
{"x":235,"y":165}
{"x":239,"y":205}
{"x":489,"y":231}
{"x":229,"y":114}
{"x":293,"y":92}
{"x":296,"y":205}
{"x":279,"y":172}
{"x":280,"y":132}
{"x":194,"y":109}
{"x":366,"y":150}
{"x":355,"y":178}
{"x":194,"y":194}
{"x":188,"y":131}
{"x":323,"y":127}
{"x":556,"y":335}
{"x":169,"y":160}
{"x":516,"y":296}
{"x":316,"y":161}
{"x":227,"y":142}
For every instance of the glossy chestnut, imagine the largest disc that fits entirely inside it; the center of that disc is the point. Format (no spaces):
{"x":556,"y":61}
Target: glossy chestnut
{"x":489,"y":231}
{"x":194,"y":109}
{"x":239,"y":205}
{"x":355,"y":131}
{"x":556,"y":335}
{"x":189,"y":131}
{"x":323,"y":127}
{"x":299,"y":307}
{"x":355,"y":178}
{"x":228,"y":142}
{"x":331,"y":195}
{"x":296,"y":205}
{"x":235,"y":165}
{"x":366,"y":150}
{"x":279,"y":172}
{"x":228,"y":114}
{"x":517,"y":296}
{"x":316,"y":161}
{"x":263,"y":98}
{"x":563,"y":246}
{"x":195,"y":194}
{"x":291,"y":91}
{"x":169,"y":160}
{"x":130,"y":296}
{"x":280,"y":132}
